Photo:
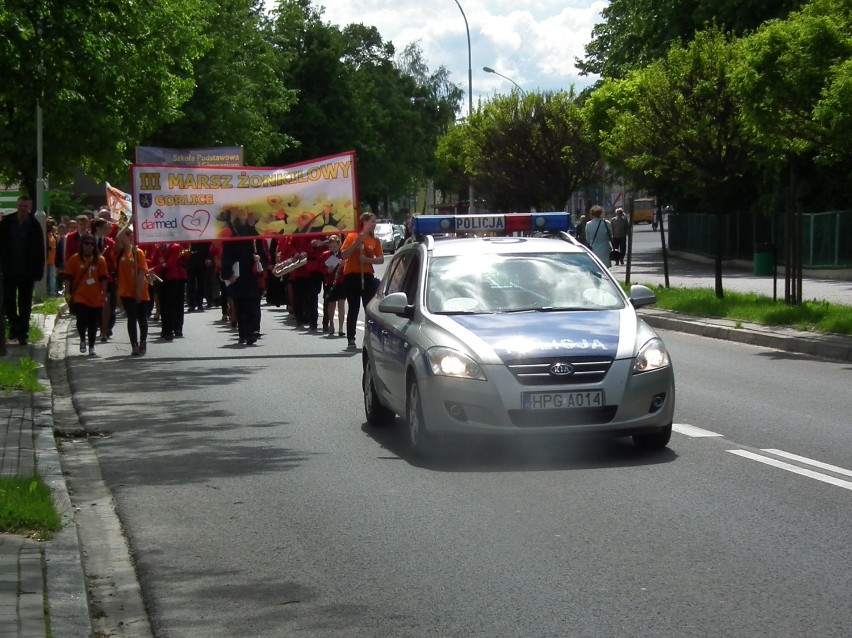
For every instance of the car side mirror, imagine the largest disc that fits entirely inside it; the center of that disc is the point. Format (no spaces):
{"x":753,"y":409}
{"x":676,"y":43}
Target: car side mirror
{"x":396,"y":303}
{"x":642,"y":296}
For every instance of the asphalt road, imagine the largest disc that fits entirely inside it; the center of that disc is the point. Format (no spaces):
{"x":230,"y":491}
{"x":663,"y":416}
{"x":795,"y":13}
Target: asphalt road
{"x":256,"y":501}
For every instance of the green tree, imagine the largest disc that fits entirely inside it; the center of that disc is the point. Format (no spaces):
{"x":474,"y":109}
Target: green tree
{"x":353,"y":94}
{"x":239,"y":89}
{"x":634,"y":33}
{"x":795,"y":81}
{"x":528,"y":151}
{"x":794,"y":78}
{"x":679,"y":121}
{"x":105,"y":79}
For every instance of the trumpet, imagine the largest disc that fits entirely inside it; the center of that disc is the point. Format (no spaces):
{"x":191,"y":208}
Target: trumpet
{"x":288,"y":265}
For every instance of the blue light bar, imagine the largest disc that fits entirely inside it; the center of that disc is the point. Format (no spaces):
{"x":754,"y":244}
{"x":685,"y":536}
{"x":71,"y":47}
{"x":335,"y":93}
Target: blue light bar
{"x":513,"y":222}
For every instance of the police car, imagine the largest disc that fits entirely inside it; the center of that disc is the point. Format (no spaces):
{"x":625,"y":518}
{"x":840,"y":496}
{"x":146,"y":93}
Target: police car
{"x":511,"y":334}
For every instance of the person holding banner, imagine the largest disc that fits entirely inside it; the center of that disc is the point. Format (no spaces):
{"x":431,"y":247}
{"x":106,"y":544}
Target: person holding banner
{"x":360,"y":252}
{"x":171,"y":259}
{"x":243,"y":266}
{"x":86,"y":288}
{"x":133,"y":289}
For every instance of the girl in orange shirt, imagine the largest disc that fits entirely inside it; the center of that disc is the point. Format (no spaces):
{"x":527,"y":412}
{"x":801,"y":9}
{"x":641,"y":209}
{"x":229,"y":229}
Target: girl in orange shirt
{"x":133,"y":289}
{"x":86,"y":285}
{"x":360,"y":252}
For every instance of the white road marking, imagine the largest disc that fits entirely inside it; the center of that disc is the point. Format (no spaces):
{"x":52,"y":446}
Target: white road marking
{"x":807,"y":461}
{"x":847,"y":485}
{"x":692,"y":431}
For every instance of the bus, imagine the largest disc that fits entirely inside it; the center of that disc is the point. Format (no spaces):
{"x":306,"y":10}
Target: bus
{"x":643,"y":210}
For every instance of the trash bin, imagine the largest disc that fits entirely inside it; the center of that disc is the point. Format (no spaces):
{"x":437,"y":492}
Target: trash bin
{"x":763,"y":260}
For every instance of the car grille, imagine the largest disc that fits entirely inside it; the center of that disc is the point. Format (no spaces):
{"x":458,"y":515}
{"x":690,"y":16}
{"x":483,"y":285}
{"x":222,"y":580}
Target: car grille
{"x":537,"y":371}
{"x":554,"y":418}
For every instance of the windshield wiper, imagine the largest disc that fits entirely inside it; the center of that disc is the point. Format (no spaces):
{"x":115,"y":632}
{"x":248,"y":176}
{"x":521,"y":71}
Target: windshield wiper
{"x":561,"y":309}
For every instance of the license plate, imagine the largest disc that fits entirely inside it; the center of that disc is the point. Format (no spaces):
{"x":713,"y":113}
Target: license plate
{"x":563,"y":400}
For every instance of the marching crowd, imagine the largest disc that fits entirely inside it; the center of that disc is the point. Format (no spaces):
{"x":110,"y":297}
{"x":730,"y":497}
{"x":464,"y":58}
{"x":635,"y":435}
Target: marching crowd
{"x":102,"y":273}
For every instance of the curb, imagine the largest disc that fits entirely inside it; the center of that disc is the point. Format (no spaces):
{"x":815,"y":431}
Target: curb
{"x":65,"y":581}
{"x":823,"y":346}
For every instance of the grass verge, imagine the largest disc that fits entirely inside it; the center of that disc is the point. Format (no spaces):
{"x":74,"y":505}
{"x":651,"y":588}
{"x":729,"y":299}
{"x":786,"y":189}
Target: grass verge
{"x":22,"y":375}
{"x":48,"y":306}
{"x":820,"y":316}
{"x":27,"y":507}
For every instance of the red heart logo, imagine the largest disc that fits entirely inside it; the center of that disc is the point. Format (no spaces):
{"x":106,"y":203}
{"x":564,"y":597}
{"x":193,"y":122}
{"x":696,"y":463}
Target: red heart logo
{"x":197,"y":222}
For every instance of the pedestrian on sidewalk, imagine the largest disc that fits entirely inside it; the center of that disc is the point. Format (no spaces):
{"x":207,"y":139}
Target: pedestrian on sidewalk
{"x":599,"y":235}
{"x":22,"y":262}
{"x":619,"y":225}
{"x":86,"y":278}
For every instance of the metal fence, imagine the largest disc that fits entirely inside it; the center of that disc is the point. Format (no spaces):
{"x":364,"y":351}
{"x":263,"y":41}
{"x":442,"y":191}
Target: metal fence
{"x":826,"y":237}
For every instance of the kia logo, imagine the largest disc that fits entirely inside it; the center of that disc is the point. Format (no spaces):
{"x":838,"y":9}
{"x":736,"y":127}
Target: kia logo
{"x":561,"y":369}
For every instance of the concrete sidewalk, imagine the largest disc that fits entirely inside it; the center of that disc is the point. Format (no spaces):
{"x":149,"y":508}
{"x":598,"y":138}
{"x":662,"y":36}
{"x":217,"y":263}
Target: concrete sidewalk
{"x":42,"y":584}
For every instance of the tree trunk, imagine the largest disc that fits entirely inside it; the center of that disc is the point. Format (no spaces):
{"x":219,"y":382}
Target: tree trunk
{"x":720,"y":245}
{"x":658,"y":211}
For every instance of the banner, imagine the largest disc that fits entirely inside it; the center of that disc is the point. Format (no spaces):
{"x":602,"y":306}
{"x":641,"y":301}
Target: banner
{"x":119,"y":204}
{"x":222,"y":156}
{"x":192,"y":204}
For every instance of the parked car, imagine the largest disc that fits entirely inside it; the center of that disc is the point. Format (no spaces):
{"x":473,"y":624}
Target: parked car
{"x":511,"y":336}
{"x":391,"y":236}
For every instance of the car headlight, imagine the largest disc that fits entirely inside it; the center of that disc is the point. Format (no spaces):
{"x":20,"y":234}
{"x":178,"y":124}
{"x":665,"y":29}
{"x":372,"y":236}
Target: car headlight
{"x":451,"y":363}
{"x":652,"y":356}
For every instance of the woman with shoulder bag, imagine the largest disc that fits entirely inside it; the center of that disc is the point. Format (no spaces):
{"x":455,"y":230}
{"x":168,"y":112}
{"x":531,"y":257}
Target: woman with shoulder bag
{"x":598,"y":236}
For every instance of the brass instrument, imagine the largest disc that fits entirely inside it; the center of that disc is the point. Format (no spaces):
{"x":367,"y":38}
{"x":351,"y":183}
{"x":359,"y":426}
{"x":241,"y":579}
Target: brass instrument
{"x":288,"y":265}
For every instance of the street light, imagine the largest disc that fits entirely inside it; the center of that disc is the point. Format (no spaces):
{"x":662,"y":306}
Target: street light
{"x":488,"y":69}
{"x":470,"y":207}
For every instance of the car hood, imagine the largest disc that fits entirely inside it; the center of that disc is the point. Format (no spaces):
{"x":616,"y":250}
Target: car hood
{"x":546,"y":334}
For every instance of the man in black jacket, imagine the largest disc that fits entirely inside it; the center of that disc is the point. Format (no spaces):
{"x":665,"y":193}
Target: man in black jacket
{"x":22,"y":264}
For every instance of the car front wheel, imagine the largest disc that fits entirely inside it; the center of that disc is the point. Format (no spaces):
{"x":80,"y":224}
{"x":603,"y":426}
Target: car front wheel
{"x":377,"y":414}
{"x":419,"y":438}
{"x":654,"y":440}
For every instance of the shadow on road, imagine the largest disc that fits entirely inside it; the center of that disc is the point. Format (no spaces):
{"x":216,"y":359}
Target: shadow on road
{"x":493,"y":454}
{"x":155,"y":438}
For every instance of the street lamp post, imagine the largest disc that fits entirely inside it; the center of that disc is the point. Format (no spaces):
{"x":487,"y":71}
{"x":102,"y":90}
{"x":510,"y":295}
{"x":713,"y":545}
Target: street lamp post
{"x":40,"y":215}
{"x":470,"y":207}
{"x":488,"y":69}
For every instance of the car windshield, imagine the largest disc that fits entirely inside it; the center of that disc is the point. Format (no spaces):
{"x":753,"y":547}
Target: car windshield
{"x":383,"y":229}
{"x":479,"y":284}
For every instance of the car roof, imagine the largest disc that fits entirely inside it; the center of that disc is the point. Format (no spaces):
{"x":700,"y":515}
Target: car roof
{"x":497,"y":245}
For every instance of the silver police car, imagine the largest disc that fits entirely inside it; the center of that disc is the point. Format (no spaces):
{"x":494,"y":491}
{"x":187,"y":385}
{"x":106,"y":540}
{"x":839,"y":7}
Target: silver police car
{"x":511,"y":335}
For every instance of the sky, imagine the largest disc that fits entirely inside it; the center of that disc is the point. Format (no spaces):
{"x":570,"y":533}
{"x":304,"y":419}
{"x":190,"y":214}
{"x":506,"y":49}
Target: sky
{"x":534,"y":43}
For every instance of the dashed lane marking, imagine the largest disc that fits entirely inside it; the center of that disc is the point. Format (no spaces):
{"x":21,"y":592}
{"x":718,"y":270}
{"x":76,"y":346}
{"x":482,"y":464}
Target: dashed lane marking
{"x":795,"y":469}
{"x":807,"y":461}
{"x":692,"y":431}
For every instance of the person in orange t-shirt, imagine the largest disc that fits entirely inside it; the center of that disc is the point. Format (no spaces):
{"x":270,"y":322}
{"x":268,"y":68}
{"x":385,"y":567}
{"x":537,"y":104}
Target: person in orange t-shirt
{"x":360,"y":252}
{"x":133,"y":289}
{"x":86,"y":278}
